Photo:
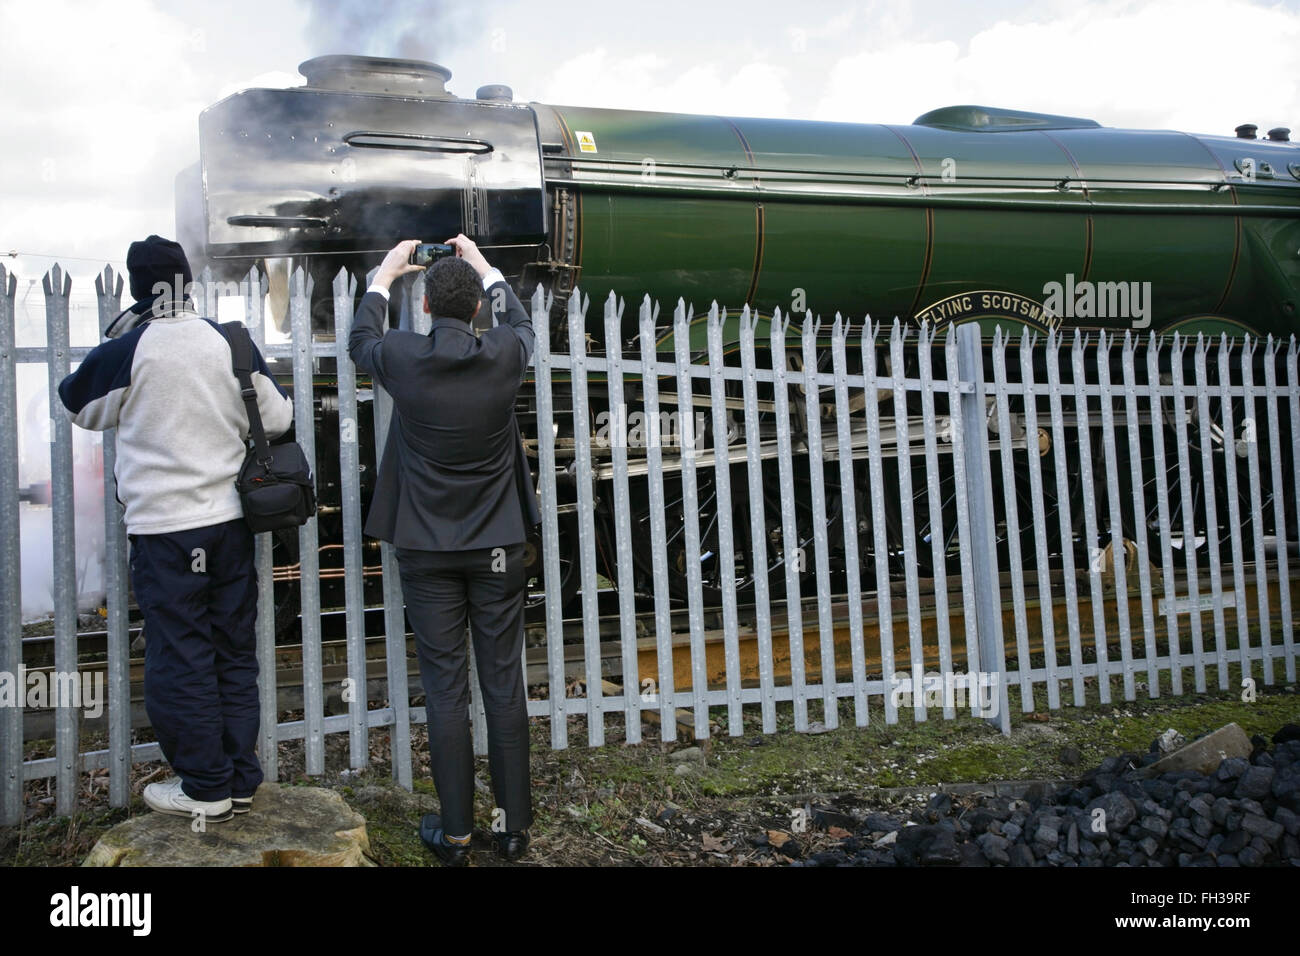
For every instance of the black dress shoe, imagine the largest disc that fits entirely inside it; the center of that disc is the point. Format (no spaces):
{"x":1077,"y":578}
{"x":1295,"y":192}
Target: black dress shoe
{"x":432,"y":836}
{"x":512,"y":844}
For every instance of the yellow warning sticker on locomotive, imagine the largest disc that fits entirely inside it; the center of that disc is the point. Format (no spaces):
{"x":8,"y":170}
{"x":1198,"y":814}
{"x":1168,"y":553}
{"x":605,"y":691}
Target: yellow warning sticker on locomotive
{"x":586,"y":142}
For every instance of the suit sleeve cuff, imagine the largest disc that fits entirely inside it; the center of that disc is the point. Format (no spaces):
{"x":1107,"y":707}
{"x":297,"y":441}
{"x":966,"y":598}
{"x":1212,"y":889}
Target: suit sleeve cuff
{"x":493,"y":276}
{"x":380,"y":289}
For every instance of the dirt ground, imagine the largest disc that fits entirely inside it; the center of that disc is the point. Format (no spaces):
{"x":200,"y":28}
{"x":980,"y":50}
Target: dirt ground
{"x":723,"y":801}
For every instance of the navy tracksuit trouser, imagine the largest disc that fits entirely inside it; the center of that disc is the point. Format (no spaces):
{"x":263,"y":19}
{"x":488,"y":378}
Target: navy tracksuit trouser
{"x":197,"y":590}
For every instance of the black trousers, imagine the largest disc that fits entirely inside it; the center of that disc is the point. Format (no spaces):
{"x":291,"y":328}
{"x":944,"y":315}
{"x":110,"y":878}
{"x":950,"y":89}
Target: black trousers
{"x":197,"y":590}
{"x":442,"y":589}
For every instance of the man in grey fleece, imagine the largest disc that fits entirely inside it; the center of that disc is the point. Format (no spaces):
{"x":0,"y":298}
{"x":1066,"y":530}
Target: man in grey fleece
{"x":164,"y":380}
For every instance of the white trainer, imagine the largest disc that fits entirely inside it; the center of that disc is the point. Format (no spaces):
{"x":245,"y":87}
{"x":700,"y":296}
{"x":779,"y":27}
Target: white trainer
{"x":170,"y":798}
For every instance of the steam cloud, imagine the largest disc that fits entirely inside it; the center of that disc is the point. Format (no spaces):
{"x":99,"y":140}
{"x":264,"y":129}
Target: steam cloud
{"x":426,"y":30}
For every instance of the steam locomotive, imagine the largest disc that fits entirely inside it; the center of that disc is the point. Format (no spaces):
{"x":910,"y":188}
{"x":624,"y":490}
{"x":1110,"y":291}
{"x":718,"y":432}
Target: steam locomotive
{"x":969,"y":214}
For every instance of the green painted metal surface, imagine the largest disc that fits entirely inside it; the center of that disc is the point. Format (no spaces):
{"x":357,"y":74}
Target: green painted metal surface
{"x":890,"y":220}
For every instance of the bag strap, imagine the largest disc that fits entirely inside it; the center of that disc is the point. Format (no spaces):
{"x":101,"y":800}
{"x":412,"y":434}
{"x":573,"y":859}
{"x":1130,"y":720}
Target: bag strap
{"x":241,"y":350}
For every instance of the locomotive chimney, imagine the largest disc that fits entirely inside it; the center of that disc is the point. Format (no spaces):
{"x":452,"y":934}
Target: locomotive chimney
{"x":1246,"y":131}
{"x":376,"y":74}
{"x":1280,"y":134}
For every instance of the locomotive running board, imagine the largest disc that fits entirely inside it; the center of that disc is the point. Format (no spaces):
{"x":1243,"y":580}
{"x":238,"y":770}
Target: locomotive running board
{"x":770,"y":449}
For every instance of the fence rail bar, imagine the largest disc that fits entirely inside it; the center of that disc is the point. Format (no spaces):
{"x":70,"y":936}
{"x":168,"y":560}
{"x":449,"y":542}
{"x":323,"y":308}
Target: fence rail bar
{"x":1106,"y":411}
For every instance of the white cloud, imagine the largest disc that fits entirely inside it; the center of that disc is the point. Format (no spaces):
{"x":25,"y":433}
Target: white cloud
{"x":651,"y":81}
{"x":1202,"y":66}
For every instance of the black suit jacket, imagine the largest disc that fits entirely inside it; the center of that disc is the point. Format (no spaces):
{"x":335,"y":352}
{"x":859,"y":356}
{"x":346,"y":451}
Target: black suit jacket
{"x":454,"y":476}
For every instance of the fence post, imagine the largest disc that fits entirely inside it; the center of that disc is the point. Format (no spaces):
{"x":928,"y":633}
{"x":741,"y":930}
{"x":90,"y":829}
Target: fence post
{"x":109,"y":295}
{"x":618,"y":433}
{"x":586,"y":517}
{"x":792,"y":557}
{"x":313,"y":693}
{"x":344,"y":288}
{"x":57,"y":286}
{"x":722,"y":437}
{"x":687,"y":438}
{"x":11,"y":592}
{"x":988,"y":602}
{"x":254,"y":286}
{"x":541,"y":306}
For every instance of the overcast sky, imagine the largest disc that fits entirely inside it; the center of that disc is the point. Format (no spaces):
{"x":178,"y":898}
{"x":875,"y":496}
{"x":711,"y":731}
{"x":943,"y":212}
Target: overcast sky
{"x":100,"y":100}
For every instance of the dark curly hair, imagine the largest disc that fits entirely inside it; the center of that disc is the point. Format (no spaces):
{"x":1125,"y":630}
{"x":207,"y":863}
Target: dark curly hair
{"x":452,"y":288}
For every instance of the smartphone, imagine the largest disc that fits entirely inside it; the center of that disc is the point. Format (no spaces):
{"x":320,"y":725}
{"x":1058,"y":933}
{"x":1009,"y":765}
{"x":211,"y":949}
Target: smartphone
{"x":427,"y":252}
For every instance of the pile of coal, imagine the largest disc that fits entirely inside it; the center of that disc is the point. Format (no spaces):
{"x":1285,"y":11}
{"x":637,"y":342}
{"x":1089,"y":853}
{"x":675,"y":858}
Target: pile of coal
{"x":1245,"y":813}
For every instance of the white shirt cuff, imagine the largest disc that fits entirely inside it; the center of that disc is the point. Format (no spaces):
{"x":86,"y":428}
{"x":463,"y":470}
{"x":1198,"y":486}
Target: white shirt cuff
{"x":493,"y":275}
{"x":380,"y":289}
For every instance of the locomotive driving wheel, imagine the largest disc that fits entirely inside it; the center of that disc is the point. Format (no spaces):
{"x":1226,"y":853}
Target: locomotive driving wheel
{"x":1196,"y":533}
{"x":773,"y":546}
{"x":536,"y":593}
{"x":1027,"y":450}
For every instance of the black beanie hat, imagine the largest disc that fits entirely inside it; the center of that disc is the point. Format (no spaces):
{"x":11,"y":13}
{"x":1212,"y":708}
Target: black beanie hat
{"x":155,"y":260}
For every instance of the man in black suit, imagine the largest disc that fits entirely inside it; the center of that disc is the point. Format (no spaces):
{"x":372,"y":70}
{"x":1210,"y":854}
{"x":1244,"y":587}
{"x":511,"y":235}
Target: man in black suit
{"x":454,"y":496}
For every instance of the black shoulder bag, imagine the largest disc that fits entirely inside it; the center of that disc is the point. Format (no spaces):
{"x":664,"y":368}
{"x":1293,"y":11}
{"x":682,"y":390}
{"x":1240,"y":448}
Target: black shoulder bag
{"x":275,"y":482}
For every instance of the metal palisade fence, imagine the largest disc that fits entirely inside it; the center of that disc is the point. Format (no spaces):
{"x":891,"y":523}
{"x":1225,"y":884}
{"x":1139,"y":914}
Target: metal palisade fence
{"x":910,"y":520}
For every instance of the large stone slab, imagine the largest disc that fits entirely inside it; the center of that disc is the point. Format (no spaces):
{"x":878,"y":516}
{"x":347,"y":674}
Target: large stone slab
{"x":1204,"y":755}
{"x":288,"y":826}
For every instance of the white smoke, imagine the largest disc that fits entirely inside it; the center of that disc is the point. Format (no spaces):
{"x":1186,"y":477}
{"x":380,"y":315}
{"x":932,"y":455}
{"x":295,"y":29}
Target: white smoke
{"x":34,"y":434}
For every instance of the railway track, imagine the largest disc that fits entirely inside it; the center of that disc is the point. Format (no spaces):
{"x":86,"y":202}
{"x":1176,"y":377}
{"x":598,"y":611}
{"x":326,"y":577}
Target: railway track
{"x":288,"y":657}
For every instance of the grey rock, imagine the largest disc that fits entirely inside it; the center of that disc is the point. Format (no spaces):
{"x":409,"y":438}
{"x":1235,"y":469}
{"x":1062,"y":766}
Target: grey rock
{"x":1047,"y":831}
{"x":1118,"y":808}
{"x":1232,"y":768}
{"x":1234,"y":841}
{"x":996,"y":849}
{"x":289,"y":826}
{"x":941,"y":851}
{"x":969,"y":855}
{"x":1261,"y":826}
{"x":1222,"y":807}
{"x":1255,"y":783}
{"x":940,"y":803}
{"x":1204,"y":755}
{"x":1290,"y":821}
{"x":1021,"y":855}
{"x":1155,"y":827}
{"x":881,"y":823}
{"x":824,"y":818}
{"x":1286,"y":782}
{"x":1290,"y":849}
